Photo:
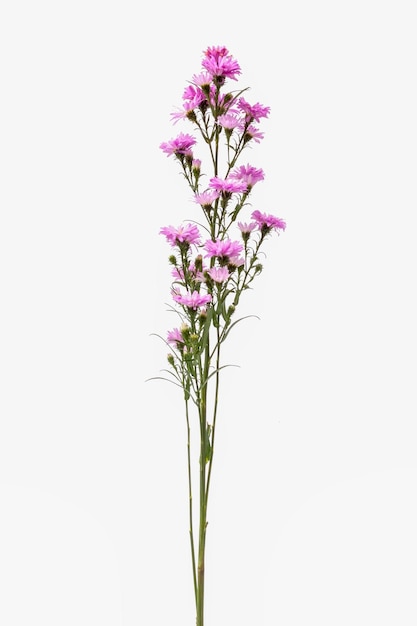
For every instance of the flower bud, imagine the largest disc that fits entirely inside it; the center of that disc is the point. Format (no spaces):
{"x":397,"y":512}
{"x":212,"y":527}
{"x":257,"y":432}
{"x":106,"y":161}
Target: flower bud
{"x":208,"y":280}
{"x":189,"y":160}
{"x":172,"y":259}
{"x":219,"y":81}
{"x":170,"y":358}
{"x":198,"y":263}
{"x":185,"y":332}
{"x":265,"y":230}
{"x":191,"y":115}
{"x":196,"y":167}
{"x":188,"y":357}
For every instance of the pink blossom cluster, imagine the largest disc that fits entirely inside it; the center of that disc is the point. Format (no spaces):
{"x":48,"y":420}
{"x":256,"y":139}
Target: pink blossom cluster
{"x":208,"y":269}
{"x":225,"y":253}
{"x":233,"y":113}
{"x":212,"y":111}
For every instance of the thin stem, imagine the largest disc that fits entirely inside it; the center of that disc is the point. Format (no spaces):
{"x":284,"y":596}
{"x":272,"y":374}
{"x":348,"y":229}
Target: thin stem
{"x":216,"y":400}
{"x":191,"y":501}
{"x":203,"y":504}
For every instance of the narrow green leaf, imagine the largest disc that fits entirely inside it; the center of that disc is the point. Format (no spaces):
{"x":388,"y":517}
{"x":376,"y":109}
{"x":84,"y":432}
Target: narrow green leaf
{"x":204,"y":336}
{"x":209,"y":450}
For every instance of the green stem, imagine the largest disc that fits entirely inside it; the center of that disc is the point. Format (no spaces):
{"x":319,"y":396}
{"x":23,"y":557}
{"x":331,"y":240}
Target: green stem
{"x":203,"y":499}
{"x":191,"y":501}
{"x":202,"y":540}
{"x":216,"y":399}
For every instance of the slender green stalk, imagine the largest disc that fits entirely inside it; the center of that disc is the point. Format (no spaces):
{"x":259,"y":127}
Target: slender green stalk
{"x":202,"y":539}
{"x":190,"y":496}
{"x":216,"y":401}
{"x":203,"y":503}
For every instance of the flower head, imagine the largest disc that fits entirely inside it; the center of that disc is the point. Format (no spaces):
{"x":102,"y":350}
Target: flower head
{"x":191,"y":300}
{"x":206,"y":198}
{"x":196,"y":165}
{"x":223,"y":249}
{"x":228,"y":120}
{"x":268,"y":222}
{"x":174,"y":336}
{"x":181,"y":145}
{"x":188,"y":234}
{"x":247,"y":174}
{"x":220,"y":64}
{"x":196,"y":274}
{"x":246,"y":229}
{"x":218,"y":274}
{"x":220,"y":101}
{"x":254,"y":133}
{"x":202,"y":80}
{"x":253,"y":112}
{"x":235,"y":261}
{"x":193,"y":95}
{"x":187,"y":112}
{"x":227,"y":185}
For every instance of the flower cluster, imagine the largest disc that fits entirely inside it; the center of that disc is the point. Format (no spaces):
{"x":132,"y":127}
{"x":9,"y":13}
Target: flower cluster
{"x":213,"y":268}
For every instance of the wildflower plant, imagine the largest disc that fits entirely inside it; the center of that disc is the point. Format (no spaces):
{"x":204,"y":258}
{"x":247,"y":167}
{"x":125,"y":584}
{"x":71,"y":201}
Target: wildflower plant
{"x":214,"y":259}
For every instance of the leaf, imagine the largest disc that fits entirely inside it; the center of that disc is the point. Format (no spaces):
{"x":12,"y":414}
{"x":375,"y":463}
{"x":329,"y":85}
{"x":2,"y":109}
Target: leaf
{"x":215,"y":371}
{"x":203,"y":340}
{"x":163,"y":378}
{"x":225,"y":314}
{"x":236,"y":322}
{"x":209,"y":449}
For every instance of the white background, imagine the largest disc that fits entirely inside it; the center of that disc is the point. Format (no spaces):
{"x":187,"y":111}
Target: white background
{"x":313,"y":511}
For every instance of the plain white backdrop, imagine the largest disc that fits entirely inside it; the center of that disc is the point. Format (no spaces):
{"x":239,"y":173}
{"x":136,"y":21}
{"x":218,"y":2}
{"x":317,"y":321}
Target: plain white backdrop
{"x":313,"y":510}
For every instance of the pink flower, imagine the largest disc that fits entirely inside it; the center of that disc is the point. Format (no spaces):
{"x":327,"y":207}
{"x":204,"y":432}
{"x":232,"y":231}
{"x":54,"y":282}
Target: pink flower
{"x":202,"y":80}
{"x":228,"y":120}
{"x":268,"y":222}
{"x":206,"y":198}
{"x":223,"y":248}
{"x":197,"y":276}
{"x":246,"y":229}
{"x":174,"y":336}
{"x":253,"y":133}
{"x":191,"y":300}
{"x":219,"y":63}
{"x":253,"y":112}
{"x":188,"y":234}
{"x":180,"y":145}
{"x":178,"y":273}
{"x":236,"y":261}
{"x":193,"y":95}
{"x":218,"y":274}
{"x":228,"y":185}
{"x":218,"y":100}
{"x":182,"y":114}
{"x":248,"y":174}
